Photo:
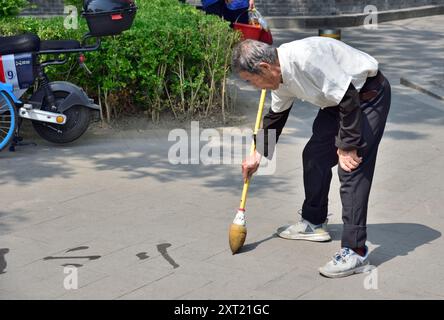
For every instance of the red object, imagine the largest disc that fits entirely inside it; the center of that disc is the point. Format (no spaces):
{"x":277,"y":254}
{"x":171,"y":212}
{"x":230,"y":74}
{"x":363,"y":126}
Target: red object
{"x":2,"y":72}
{"x":116,"y":17}
{"x":82,"y":58}
{"x":248,"y":31}
{"x":266,"y":37}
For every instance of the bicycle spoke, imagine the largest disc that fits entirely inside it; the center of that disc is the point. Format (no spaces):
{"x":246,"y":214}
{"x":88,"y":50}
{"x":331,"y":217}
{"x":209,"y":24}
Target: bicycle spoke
{"x":6,"y":132}
{"x":7,"y":113}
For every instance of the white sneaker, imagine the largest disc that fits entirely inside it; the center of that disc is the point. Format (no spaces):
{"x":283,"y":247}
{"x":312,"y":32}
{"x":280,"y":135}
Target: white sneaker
{"x":304,"y":230}
{"x":345,"y":263}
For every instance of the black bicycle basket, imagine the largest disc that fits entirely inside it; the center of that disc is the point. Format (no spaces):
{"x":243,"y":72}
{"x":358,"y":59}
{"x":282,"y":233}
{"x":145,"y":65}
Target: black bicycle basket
{"x":109,"y":17}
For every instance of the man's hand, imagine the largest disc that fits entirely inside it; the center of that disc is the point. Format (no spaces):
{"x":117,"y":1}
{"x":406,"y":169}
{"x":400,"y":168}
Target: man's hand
{"x":250,"y":165}
{"x":349,"y":160}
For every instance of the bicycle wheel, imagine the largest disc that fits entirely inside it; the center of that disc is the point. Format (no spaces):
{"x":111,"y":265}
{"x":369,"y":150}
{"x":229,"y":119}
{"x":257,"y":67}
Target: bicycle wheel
{"x":8,"y":120}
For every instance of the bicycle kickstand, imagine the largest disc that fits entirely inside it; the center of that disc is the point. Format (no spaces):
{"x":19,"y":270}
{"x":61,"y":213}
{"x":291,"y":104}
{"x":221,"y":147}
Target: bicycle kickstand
{"x":17,"y":140}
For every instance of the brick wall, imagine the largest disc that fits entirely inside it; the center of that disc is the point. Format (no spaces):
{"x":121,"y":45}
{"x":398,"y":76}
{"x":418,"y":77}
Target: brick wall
{"x":280,"y":7}
{"x":45,"y":7}
{"x":333,"y":7}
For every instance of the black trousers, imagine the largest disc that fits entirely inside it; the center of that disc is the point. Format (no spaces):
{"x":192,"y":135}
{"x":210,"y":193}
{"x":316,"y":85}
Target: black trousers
{"x":216,"y":8}
{"x":239,"y":15}
{"x":319,"y":157}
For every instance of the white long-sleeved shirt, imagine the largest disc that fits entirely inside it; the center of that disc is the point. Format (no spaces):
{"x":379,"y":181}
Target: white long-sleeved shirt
{"x":319,"y":70}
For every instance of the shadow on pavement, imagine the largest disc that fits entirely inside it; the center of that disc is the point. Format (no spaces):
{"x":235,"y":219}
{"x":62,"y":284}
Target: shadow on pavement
{"x":251,"y":246}
{"x":392,"y":239}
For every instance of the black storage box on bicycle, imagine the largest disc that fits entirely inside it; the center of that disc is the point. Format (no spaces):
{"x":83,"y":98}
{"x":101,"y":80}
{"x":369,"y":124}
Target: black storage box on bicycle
{"x":109,"y":17}
{"x":18,"y":70}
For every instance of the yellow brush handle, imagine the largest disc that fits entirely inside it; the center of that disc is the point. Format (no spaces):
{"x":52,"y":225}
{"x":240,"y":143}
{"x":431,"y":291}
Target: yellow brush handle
{"x":253,"y":146}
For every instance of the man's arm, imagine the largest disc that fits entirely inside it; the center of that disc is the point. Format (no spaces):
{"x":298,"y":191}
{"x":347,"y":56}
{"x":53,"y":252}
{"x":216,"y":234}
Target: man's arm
{"x":350,"y":116}
{"x":275,"y":121}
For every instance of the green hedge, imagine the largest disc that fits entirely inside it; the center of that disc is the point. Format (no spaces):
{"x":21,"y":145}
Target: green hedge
{"x":12,"y":7}
{"x":174,"y":58}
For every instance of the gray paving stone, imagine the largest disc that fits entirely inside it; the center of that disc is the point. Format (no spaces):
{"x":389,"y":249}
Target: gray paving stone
{"x":171,"y":286}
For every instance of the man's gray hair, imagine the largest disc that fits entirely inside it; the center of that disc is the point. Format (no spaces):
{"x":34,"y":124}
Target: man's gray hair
{"x":249,"y":53}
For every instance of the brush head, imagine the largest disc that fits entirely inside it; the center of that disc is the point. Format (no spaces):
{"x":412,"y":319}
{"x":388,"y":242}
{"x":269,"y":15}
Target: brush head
{"x":238,"y":232}
{"x":237,"y":237}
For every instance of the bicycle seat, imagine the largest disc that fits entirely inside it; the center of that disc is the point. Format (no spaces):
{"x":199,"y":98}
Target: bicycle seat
{"x":59,"y":45}
{"x":28,"y":42}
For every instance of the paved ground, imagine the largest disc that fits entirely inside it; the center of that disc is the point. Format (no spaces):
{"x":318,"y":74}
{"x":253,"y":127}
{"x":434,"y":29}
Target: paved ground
{"x":433,"y":86}
{"x":138,"y":227}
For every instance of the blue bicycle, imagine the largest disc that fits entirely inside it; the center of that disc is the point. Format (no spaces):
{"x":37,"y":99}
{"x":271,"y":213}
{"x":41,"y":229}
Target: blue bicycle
{"x":8,"y":117}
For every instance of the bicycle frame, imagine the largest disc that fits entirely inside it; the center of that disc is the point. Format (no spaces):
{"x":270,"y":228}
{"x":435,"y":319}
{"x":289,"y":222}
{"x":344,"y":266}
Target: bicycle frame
{"x":83,"y":47}
{"x":41,"y":76}
{"x":9,"y":90}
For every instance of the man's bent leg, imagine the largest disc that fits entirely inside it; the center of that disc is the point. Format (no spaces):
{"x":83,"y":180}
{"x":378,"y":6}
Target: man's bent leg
{"x":355,"y":189}
{"x":355,"y":185}
{"x":319,"y":157}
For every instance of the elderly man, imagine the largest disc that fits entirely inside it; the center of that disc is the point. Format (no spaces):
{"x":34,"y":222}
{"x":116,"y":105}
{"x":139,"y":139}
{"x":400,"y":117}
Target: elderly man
{"x":354,"y":101}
